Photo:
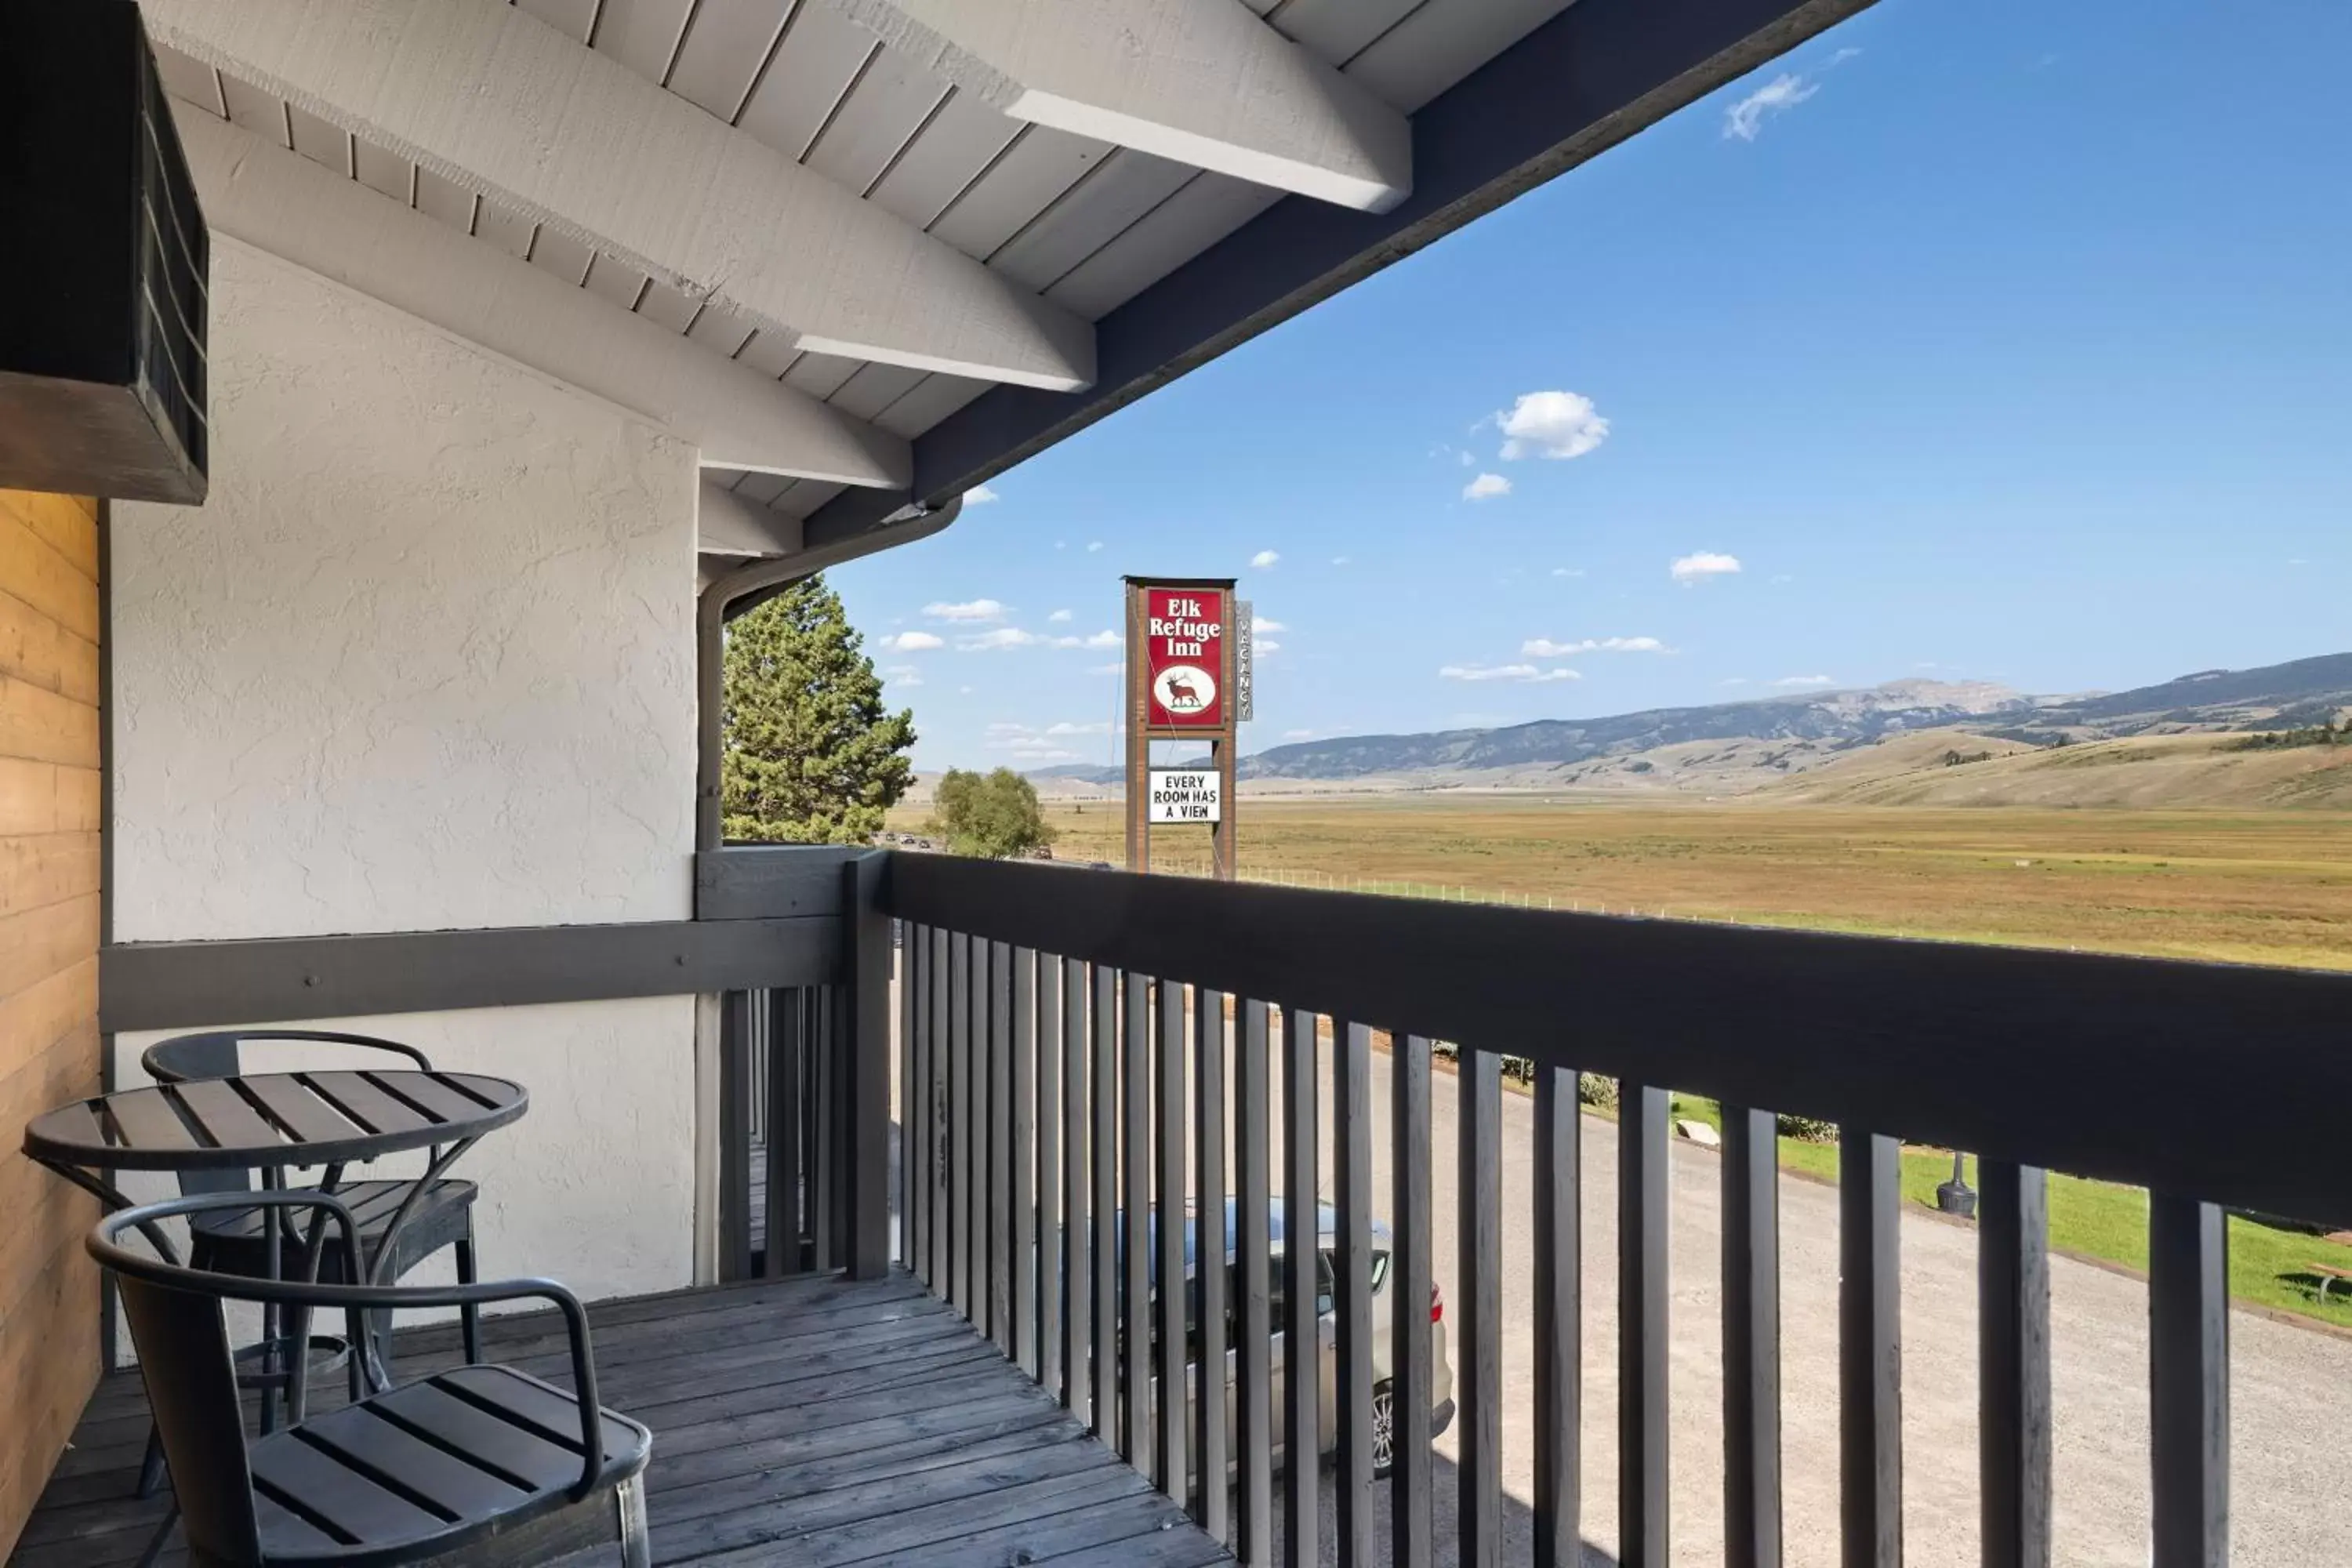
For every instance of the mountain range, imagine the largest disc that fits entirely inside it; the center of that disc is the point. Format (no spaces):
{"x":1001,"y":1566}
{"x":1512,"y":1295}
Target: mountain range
{"x":1740,"y":746}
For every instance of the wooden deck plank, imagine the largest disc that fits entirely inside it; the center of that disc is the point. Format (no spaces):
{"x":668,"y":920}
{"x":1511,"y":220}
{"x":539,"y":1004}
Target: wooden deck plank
{"x":810,"y":1420}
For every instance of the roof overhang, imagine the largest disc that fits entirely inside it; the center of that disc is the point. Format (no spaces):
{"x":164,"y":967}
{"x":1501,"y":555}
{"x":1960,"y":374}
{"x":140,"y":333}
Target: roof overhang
{"x":866,"y":254}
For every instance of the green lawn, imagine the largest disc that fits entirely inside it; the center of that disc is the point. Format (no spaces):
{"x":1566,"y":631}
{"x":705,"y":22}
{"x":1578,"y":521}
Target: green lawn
{"x":2268,"y":1267}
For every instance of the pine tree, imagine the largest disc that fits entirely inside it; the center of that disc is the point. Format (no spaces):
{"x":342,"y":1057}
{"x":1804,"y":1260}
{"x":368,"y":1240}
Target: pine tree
{"x":810,"y":753}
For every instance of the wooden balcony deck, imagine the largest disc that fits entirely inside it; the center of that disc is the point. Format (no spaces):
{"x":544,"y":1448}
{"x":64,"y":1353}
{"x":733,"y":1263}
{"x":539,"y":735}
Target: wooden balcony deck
{"x":803,"y":1420}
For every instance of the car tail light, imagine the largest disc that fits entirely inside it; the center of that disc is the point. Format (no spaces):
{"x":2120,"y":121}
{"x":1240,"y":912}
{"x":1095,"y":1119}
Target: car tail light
{"x":1436,"y":1305}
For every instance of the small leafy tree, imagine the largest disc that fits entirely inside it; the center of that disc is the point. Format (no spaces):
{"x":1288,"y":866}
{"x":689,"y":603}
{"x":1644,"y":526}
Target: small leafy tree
{"x":996,"y":816}
{"x":810,"y":753}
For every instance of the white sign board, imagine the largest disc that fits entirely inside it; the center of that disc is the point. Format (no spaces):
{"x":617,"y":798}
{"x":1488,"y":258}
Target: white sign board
{"x":1186,"y":795}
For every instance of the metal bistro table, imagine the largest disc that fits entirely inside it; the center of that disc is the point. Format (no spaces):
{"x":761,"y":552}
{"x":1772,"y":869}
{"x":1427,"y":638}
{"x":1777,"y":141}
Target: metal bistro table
{"x":272,"y":1122}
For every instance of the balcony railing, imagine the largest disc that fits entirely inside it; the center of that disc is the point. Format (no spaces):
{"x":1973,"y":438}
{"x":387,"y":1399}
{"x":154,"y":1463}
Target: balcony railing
{"x":1084,"y":1057}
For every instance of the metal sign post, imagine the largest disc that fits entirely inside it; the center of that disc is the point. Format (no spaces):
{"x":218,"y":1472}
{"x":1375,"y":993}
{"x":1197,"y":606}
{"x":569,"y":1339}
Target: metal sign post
{"x":1183,"y":663}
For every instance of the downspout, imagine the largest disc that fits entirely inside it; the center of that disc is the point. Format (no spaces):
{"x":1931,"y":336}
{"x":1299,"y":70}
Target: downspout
{"x":763,"y":577}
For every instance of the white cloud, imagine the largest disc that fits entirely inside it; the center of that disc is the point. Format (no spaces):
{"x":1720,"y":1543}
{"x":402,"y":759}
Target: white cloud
{"x":903,"y":675}
{"x":1001,"y":638}
{"x":1299,"y":735}
{"x":1568,"y":571}
{"x":1266,"y":648}
{"x":1093,"y":545}
{"x":1805,"y":680}
{"x":1486,"y":486}
{"x":1544,"y":648}
{"x":1059,"y":615}
{"x":1105,"y":670}
{"x":1743,"y":119}
{"x":1702,"y":565}
{"x":963,"y":691}
{"x":1265,"y":559}
{"x":979,"y":495}
{"x":1339,"y":559}
{"x":1099,"y":640}
{"x":1843,"y":55}
{"x":1268,"y":624}
{"x":1736,"y":680}
{"x":969,"y":610}
{"x":910,"y":642}
{"x":1551,"y":425}
{"x":1066,"y":728}
{"x":1504,"y":672}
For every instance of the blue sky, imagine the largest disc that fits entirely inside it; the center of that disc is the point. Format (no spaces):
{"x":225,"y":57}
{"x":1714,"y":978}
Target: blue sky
{"x":1994,"y":341}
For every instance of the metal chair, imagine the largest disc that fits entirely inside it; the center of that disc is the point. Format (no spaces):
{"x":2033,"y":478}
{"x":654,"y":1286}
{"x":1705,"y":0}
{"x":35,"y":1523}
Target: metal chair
{"x":480,"y":1464}
{"x":235,"y":1241}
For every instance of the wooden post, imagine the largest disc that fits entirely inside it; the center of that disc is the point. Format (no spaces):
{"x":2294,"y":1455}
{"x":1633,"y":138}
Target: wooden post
{"x":1138,"y":735}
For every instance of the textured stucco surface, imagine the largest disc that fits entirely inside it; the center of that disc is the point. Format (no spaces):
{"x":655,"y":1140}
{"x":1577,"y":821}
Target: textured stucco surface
{"x":595,"y":1187}
{"x":425,"y":660}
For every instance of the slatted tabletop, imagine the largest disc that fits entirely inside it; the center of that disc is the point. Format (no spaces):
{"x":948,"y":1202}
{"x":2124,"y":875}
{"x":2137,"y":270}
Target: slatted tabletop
{"x":270,"y":1120}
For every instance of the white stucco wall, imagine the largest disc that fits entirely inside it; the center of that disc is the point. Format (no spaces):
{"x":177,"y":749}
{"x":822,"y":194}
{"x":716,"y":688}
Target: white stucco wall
{"x":425,"y":659}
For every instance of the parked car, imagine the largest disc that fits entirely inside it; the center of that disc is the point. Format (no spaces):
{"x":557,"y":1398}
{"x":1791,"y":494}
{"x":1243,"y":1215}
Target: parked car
{"x":1441,"y":1380}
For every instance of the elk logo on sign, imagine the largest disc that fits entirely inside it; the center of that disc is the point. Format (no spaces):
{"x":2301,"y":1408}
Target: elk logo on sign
{"x":1185,"y":689}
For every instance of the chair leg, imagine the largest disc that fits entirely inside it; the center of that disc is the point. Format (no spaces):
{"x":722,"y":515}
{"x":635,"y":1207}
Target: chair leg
{"x":151,"y":1466}
{"x":629,"y":1505}
{"x":469,"y":1316}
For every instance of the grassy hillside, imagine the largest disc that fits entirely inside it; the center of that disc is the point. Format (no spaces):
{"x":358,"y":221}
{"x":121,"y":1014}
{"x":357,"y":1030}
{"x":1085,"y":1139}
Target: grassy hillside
{"x":2263,"y":886}
{"x":2147,"y":772}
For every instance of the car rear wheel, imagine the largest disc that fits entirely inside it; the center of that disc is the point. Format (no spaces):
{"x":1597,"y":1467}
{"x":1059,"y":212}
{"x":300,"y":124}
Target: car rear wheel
{"x":1383,"y":1430}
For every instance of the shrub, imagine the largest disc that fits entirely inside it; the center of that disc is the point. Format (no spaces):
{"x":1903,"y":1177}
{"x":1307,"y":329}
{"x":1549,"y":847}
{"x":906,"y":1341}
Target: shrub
{"x":1596,"y":1090}
{"x":1808,"y":1129}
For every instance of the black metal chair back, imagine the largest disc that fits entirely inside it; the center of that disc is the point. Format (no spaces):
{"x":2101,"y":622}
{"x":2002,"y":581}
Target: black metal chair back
{"x":188,"y":1365}
{"x":219,"y":1054}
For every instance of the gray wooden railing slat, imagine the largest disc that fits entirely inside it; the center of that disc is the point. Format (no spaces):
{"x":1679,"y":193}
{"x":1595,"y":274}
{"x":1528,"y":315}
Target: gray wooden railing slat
{"x":1019,"y":1158}
{"x":2189,"y":1380}
{"x":1045,"y":1036}
{"x":1870,"y":1349}
{"x":1478,"y":1382}
{"x":1211,"y":1503}
{"x":1103,"y":1157}
{"x":1642,"y":1343}
{"x":976,"y":1166}
{"x":1559,"y":1296}
{"x":735,"y":1135}
{"x":1170,"y":1462}
{"x":2013,"y":1362}
{"x":1411,"y":1297}
{"x":1301,"y":1355}
{"x":825,"y":1102}
{"x":1135,"y":1197}
{"x":1351,"y":1113}
{"x":959,"y":1120}
{"x":1077,"y":1287}
{"x":911,"y":1020}
{"x":938,"y":1163}
{"x":786,"y":1164}
{"x":1751,"y":1337}
{"x":1002,"y":1010}
{"x":1253,"y":1248}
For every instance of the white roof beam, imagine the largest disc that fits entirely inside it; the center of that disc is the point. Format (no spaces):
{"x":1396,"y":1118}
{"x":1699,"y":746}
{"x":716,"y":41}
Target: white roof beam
{"x":280,"y":202}
{"x":489,"y":96}
{"x":729,"y":524}
{"x":1201,"y":82}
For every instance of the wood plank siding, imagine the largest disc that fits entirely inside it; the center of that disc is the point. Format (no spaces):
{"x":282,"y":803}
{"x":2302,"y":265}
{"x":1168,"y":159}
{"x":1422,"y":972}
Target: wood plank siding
{"x":49,"y":827}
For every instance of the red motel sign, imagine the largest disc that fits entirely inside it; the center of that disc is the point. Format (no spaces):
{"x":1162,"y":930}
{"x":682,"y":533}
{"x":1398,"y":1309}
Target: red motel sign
{"x":1184,"y":657}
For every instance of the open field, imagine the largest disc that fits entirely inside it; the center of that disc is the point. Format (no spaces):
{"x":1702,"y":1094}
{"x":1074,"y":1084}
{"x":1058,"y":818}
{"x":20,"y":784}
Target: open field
{"x":2248,"y":887}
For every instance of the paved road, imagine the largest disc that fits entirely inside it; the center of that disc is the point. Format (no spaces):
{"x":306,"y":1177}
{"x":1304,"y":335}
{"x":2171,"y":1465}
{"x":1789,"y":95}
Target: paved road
{"x":2291,"y":1399}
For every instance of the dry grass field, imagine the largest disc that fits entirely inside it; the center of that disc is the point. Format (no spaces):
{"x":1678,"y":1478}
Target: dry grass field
{"x":2269,"y":887}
